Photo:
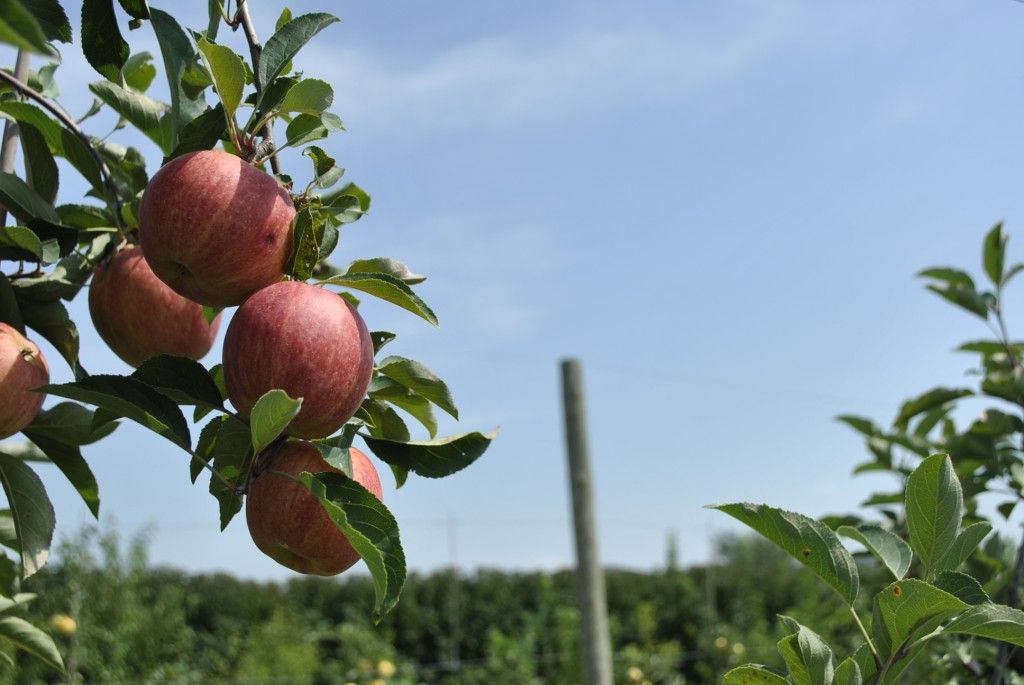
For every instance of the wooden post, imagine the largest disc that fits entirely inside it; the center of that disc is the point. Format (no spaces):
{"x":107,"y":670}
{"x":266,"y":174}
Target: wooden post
{"x":597,"y":653}
{"x":9,"y":142}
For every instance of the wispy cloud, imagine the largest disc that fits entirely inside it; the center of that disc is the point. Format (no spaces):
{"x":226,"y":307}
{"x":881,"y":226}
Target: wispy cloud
{"x":586,"y":70}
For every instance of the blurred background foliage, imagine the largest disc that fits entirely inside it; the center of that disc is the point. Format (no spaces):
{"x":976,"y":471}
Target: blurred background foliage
{"x":119,"y":620}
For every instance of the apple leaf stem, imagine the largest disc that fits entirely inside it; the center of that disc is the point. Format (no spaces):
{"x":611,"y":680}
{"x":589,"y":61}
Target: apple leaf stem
{"x":244,"y":19}
{"x":64,"y":118}
{"x":209,"y":467}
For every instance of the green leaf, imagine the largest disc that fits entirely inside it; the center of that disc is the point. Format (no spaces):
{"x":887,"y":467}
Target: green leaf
{"x":383,"y":388}
{"x":183,"y":380}
{"x":383,"y":421}
{"x":303,"y":129}
{"x":228,"y":75}
{"x":335,"y":452}
{"x":178,"y":54}
{"x":380,"y":339}
{"x":966,"y":542}
{"x":18,"y":27}
{"x":808,"y":657}
{"x":369,"y":527}
{"x":211,"y":313}
{"x":139,"y":9}
{"x":18,"y":601}
{"x":326,"y":172}
{"x":948,"y":275}
{"x":847,"y":673}
{"x":346,"y":205}
{"x":214,"y":13}
{"x":204,"y":447}
{"x":308,"y":96}
{"x":286,"y":43}
{"x":231,"y":458}
{"x":51,"y":320}
{"x":306,"y":244}
{"x":908,"y":610}
{"x":31,"y":511}
{"x":139,"y":72}
{"x":888,"y":547}
{"x":66,"y":278}
{"x":68,"y":423}
{"x":994,"y":621}
{"x":69,"y":459}
{"x":284,"y":18}
{"x":9,"y":311}
{"x":420,"y":380}
{"x":61,"y":142}
{"x":385,"y":265}
{"x":51,"y":18}
{"x":102,"y":43}
{"x":963,"y":297}
{"x":40,"y":168}
{"x":139,"y":109}
{"x":31,"y":639}
{"x":387,"y":288}
{"x":202,"y":133}
{"x":433,"y":458}
{"x":962,"y":586}
{"x":270,"y":416}
{"x":934,"y":509}
{"x":994,"y":254}
{"x":17,"y":240}
{"x":23,"y":202}
{"x":810,"y":542}
{"x":934,"y":398}
{"x":132,"y":399}
{"x":753,"y":674}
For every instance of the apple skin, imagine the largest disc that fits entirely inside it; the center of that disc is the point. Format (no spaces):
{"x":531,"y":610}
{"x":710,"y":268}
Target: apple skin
{"x":22,"y":368}
{"x":288,"y":524}
{"x":307,"y":341}
{"x":215,"y":228}
{"x":139,"y":317}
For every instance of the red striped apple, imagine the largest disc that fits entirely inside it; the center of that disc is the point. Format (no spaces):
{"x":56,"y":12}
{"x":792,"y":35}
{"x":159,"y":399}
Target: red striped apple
{"x":215,"y":228}
{"x":22,"y":368}
{"x":139,"y":317}
{"x":288,"y":524}
{"x":307,"y":341}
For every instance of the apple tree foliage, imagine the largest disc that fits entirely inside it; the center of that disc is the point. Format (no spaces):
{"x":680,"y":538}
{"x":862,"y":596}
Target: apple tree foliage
{"x":250,"y":105}
{"x":952,"y":608}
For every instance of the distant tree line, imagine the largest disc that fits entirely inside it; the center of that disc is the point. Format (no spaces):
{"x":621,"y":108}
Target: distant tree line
{"x":119,"y":620}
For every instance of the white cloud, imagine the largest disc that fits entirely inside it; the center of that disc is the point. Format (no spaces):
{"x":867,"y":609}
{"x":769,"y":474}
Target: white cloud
{"x":496,"y":80}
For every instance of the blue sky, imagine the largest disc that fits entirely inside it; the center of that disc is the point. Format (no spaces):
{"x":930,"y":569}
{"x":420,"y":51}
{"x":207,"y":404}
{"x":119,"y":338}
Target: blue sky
{"x":717,"y":205}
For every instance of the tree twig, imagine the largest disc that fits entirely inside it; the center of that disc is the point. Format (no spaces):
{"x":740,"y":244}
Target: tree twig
{"x":243,"y":18}
{"x":69,"y":123}
{"x":9,"y":146}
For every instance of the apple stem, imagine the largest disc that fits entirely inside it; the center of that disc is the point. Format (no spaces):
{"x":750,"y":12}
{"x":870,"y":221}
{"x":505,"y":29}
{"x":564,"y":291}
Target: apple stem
{"x":69,"y":123}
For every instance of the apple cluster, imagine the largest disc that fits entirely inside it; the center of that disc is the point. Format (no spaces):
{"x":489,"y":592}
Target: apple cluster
{"x":216,"y":231}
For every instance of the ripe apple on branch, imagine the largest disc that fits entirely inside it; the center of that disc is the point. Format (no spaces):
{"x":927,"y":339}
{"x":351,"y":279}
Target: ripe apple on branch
{"x":213,"y":228}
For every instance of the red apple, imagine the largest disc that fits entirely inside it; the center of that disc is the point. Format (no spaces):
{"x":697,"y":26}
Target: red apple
{"x":288,"y":524}
{"x":139,"y":317}
{"x":22,"y":368}
{"x":215,"y":228}
{"x":307,"y":341}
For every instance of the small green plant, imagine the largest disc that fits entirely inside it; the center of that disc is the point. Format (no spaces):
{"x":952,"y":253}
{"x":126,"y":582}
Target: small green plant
{"x":950,"y":595}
